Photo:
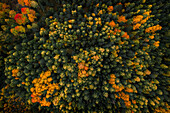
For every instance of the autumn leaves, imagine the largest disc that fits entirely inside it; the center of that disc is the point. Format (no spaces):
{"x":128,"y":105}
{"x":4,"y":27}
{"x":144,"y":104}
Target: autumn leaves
{"x":27,"y":15}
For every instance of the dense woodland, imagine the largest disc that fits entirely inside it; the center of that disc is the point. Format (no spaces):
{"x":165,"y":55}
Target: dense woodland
{"x":89,"y":56}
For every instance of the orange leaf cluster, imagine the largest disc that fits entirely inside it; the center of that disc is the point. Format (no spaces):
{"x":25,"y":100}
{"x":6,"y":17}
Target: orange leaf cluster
{"x":112,"y":24}
{"x":153,"y":29}
{"x":71,"y":21}
{"x":25,"y":10}
{"x":121,"y":19}
{"x":137,"y":18}
{"x":124,"y":97}
{"x":41,"y":84}
{"x":136,"y":26}
{"x":112,"y":81}
{"x":137,"y":79}
{"x":147,"y":12}
{"x":156,"y":43}
{"x":30,"y":13}
{"x":24,"y":2}
{"x":147,"y":72}
{"x":21,"y":2}
{"x":162,"y":110}
{"x":151,"y":37}
{"x":44,"y":102}
{"x":14,"y":72}
{"x":35,"y":98}
{"x":82,"y":70}
{"x":100,"y":12}
{"x":129,"y":90}
{"x":126,"y":35}
{"x":115,"y":31}
{"x":20,"y":29}
{"x":97,"y":5}
{"x":98,"y":21}
{"x":27,"y":2}
{"x":119,"y":3}
{"x":118,"y":88}
{"x":31,"y":17}
{"x":121,"y":94}
{"x":144,"y":20}
{"x":96,"y":57}
{"x":110,"y":8}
